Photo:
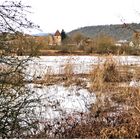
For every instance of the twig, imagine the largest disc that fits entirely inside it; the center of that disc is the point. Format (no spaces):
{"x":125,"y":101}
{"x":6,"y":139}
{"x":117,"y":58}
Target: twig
{"x":137,"y":109}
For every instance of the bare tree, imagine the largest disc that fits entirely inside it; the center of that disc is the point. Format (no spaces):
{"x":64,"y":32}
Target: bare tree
{"x":78,"y":37}
{"x":17,"y":118}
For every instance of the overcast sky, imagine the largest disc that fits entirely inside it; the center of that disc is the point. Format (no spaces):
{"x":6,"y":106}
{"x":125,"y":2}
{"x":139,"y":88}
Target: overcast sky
{"x":71,"y":14}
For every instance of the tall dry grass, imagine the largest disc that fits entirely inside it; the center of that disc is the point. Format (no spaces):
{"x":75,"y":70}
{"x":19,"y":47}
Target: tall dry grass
{"x":104,"y":73}
{"x":47,"y":79}
{"x":116,"y":112}
{"x":69,"y":77}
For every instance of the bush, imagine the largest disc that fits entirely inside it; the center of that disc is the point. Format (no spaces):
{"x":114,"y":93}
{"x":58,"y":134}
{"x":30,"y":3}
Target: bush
{"x":105,"y":127}
{"x":106,"y":49}
{"x":106,"y":72}
{"x":111,"y":74}
{"x":129,"y":50}
{"x":67,"y":48}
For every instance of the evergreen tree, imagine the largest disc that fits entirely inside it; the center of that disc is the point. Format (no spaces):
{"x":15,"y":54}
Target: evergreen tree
{"x":63,"y":34}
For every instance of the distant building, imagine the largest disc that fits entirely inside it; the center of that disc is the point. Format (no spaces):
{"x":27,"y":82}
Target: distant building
{"x":131,"y":44}
{"x":120,"y":43}
{"x":51,"y":39}
{"x":54,"y":39}
{"x":57,"y":38}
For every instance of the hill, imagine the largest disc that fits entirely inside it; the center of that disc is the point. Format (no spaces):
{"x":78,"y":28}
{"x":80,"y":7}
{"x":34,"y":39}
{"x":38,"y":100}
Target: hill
{"x":41,"y":34}
{"x":118,"y":31}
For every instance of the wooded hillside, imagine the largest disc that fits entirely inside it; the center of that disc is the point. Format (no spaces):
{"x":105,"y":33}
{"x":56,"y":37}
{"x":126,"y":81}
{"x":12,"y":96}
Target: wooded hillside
{"x":118,"y":31}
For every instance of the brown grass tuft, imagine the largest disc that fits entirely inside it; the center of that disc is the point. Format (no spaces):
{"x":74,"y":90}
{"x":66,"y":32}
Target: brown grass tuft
{"x":110,"y":71}
{"x":104,"y":73}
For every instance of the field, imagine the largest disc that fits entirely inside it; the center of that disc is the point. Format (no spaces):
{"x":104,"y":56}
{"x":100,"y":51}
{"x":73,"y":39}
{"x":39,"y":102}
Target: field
{"x":80,"y":84}
{"x":77,"y":96}
{"x":86,"y":96}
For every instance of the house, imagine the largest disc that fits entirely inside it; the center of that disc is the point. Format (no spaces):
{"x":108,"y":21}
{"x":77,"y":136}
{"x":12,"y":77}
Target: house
{"x":57,"y":38}
{"x":120,"y":43}
{"x":51,"y":39}
{"x":131,"y":44}
{"x":54,"y":39}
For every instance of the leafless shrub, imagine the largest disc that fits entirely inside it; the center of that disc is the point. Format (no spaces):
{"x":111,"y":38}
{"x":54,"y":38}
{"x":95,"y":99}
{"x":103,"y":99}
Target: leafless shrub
{"x":17,"y":118}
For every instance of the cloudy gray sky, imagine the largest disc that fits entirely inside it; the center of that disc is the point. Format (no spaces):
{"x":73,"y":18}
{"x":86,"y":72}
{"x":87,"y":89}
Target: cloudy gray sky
{"x":71,"y":14}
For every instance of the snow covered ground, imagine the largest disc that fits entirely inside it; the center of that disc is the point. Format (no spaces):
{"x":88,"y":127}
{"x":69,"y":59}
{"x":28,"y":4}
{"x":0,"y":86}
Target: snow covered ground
{"x":58,"y":102}
{"x":81,"y":64}
{"x":134,"y":83}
